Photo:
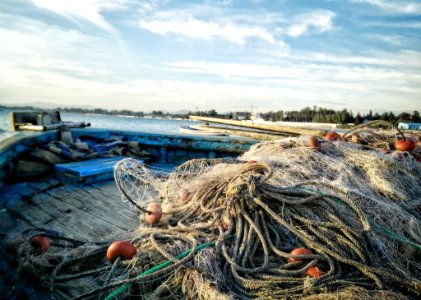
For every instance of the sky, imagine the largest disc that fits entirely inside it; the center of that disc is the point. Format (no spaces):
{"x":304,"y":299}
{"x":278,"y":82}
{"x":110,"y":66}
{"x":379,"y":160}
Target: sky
{"x":226,"y":55}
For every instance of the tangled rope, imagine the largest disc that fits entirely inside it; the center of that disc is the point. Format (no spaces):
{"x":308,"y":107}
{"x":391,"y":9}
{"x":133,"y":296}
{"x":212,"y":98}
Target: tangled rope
{"x":229,"y":227}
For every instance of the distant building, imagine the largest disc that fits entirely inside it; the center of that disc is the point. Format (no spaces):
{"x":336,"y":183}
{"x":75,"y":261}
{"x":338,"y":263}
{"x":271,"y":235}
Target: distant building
{"x":256,"y":117}
{"x":240,"y":116}
{"x":410,"y":126}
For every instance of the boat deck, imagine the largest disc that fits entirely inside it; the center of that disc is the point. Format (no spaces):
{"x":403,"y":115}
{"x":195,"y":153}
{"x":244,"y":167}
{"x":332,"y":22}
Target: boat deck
{"x":93,"y":212}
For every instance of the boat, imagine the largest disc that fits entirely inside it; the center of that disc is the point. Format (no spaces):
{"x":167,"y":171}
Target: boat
{"x":66,"y":234}
{"x":76,"y":200}
{"x":256,"y":134}
{"x":410,"y":126}
{"x":286,"y":130}
{"x":198,"y":131}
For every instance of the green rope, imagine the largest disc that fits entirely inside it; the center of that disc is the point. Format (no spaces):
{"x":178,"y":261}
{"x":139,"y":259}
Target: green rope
{"x":159,"y":267}
{"x":394,"y":235}
{"x":379,"y":227}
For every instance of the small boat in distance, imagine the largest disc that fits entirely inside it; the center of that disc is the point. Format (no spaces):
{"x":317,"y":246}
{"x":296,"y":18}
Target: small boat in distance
{"x":41,"y":121}
{"x":195,"y":131}
{"x":410,"y":126}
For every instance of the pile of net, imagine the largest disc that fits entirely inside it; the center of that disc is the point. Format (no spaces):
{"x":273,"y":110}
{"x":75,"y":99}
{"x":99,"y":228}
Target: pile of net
{"x":229,"y":227}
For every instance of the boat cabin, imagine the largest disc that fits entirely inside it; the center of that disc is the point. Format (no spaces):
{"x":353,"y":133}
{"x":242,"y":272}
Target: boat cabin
{"x":410,"y":126}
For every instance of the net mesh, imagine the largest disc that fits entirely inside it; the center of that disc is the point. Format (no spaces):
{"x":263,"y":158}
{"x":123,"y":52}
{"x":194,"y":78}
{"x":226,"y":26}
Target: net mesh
{"x":229,"y":226}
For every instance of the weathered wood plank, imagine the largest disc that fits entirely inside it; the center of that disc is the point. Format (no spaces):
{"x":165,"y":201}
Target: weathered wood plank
{"x":108,"y":198}
{"x":13,"y":193}
{"x":48,"y":212}
{"x":34,"y":215}
{"x":76,"y":219}
{"x":99,"y":206}
{"x":88,"y":213}
{"x":45,"y":184}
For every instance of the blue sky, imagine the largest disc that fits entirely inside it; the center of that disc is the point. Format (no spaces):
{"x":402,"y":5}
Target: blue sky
{"x":223,"y":55}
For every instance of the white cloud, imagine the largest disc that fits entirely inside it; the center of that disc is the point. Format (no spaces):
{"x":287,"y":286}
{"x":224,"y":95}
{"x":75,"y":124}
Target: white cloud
{"x":390,"y":68}
{"x":147,"y":94}
{"x":319,"y":21}
{"x":144,"y":94}
{"x":403,"y":60}
{"x":44,"y":62}
{"x":205,"y":22}
{"x":234,"y":70}
{"x":194,"y":28}
{"x":395,"y":6}
{"x":399,"y":25}
{"x":327,"y":77}
{"x":89,"y":10}
{"x":225,"y":2}
{"x":34,"y":47}
{"x":147,"y":6}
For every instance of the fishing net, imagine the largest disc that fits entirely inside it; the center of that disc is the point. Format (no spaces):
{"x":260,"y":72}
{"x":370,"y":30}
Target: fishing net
{"x":229,"y":227}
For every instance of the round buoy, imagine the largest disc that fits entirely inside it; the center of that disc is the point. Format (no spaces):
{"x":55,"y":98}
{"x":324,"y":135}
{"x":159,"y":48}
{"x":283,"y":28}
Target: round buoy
{"x":314,"y":143}
{"x":313,"y":272}
{"x":154,"y":215}
{"x":332,"y":136}
{"x":405,"y":145}
{"x":356,"y":138}
{"x":40,"y":242}
{"x":122,"y":249}
{"x":299,"y":251}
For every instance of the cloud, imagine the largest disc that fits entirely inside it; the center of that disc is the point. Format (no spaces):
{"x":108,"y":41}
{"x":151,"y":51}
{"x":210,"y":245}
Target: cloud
{"x":403,"y":60}
{"x":89,"y":10}
{"x":225,"y":2}
{"x":334,"y":78}
{"x":198,"y":29}
{"x":318,"y":22}
{"x":234,"y":69}
{"x":31,"y":47}
{"x":147,"y":6}
{"x":45,"y":61}
{"x":398,"y":25}
{"x":324,"y":73}
{"x":147,"y":94}
{"x":395,"y":6}
{"x":208,"y":23}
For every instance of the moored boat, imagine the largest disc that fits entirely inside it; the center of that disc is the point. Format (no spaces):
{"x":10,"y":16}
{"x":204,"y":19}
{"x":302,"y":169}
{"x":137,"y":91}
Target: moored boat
{"x":62,"y":186}
{"x":197,"y":131}
{"x":284,"y":219}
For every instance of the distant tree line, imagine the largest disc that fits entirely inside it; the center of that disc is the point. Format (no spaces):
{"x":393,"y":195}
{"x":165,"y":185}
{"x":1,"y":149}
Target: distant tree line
{"x":324,"y":115}
{"x":318,"y":115}
{"x":214,"y":114}
{"x":100,"y":111}
{"x":307,"y":114}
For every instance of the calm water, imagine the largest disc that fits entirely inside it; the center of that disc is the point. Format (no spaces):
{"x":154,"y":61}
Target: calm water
{"x":107,"y":121}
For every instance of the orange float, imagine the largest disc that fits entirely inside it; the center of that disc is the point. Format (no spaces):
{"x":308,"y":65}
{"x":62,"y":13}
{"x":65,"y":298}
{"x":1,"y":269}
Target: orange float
{"x":299,"y":251}
{"x":154,"y":215}
{"x":40,"y":242}
{"x":314,"y":143}
{"x":122,"y":249}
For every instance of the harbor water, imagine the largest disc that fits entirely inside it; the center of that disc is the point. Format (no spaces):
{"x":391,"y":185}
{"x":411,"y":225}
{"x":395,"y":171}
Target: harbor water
{"x":169,"y":126}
